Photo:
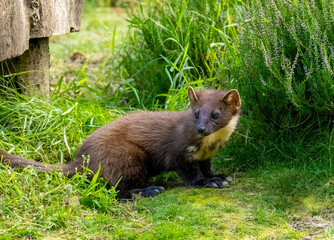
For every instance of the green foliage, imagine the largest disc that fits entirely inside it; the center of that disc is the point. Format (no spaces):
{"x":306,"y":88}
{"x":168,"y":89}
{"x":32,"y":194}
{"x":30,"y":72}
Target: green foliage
{"x":287,"y":51}
{"x":93,"y":4}
{"x":281,"y":155}
{"x":97,"y":195}
{"x":174,"y":43}
{"x":278,"y":57}
{"x":47,"y":201}
{"x":53,"y":129}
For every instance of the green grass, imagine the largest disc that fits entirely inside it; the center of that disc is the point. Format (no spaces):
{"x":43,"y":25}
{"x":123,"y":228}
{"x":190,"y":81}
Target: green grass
{"x":271,"y":201}
{"x":283,"y":189}
{"x":172,"y":44}
{"x":48,"y":205}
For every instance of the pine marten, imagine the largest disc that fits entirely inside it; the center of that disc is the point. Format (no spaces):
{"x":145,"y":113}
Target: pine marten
{"x":143,"y":144}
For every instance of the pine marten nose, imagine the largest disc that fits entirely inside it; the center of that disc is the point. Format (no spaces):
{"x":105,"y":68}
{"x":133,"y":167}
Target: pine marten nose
{"x":200,"y":129}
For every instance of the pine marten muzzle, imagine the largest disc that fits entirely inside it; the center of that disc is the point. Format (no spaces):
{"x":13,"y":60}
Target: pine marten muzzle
{"x":143,"y":144}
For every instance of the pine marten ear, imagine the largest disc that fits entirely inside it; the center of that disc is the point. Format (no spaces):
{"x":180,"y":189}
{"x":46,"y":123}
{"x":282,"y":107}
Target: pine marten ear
{"x":193,"y":98}
{"x":232,"y":98}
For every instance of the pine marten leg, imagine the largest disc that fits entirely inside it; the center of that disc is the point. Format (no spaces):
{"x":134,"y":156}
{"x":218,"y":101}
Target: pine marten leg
{"x":124,"y":164}
{"x":149,"y":191}
{"x":125,"y":190}
{"x":205,"y":167}
{"x":125,"y":193}
{"x":192,"y":175}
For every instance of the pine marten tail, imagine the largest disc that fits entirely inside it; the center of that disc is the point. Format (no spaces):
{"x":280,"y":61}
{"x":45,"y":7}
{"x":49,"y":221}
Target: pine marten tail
{"x":15,"y":161}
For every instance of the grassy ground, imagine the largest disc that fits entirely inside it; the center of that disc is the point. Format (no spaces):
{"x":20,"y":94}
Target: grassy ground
{"x":271,"y":201}
{"x":51,"y":207}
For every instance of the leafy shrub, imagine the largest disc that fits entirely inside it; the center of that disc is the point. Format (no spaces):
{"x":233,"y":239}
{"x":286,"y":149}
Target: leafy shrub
{"x":278,"y":54}
{"x":287,"y":51}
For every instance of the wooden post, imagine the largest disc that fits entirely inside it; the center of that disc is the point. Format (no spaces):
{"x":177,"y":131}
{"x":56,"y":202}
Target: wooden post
{"x":25,"y":28}
{"x":37,"y":58}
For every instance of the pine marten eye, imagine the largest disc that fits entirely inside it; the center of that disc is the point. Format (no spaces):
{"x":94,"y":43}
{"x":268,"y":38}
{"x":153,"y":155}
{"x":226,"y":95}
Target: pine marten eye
{"x":196,"y":115}
{"x":215,"y":116}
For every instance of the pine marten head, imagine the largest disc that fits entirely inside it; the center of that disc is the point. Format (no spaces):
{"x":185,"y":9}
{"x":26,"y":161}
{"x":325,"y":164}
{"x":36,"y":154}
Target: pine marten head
{"x":213,"y":109}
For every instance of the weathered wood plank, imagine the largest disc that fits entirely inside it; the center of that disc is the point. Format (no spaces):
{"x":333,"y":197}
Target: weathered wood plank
{"x":21,"y":20}
{"x":25,"y":26}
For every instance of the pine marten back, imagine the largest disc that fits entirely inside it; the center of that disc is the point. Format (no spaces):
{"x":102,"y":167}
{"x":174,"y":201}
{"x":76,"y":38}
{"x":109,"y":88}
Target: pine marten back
{"x":144,"y":144}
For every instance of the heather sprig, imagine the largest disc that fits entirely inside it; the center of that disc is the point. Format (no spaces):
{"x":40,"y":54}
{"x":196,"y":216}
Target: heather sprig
{"x":290,"y":43}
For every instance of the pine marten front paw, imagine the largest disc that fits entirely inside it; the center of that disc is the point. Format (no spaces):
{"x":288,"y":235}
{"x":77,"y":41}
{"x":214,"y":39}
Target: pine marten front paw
{"x":149,"y":191}
{"x":224,"y":177}
{"x":216,"y":182}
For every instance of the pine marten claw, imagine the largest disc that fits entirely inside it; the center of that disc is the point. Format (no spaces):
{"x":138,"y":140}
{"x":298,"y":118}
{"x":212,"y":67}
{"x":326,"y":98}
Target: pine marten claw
{"x":228,"y":179}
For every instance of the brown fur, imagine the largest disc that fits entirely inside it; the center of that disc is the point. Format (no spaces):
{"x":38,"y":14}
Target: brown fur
{"x":143,"y":144}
